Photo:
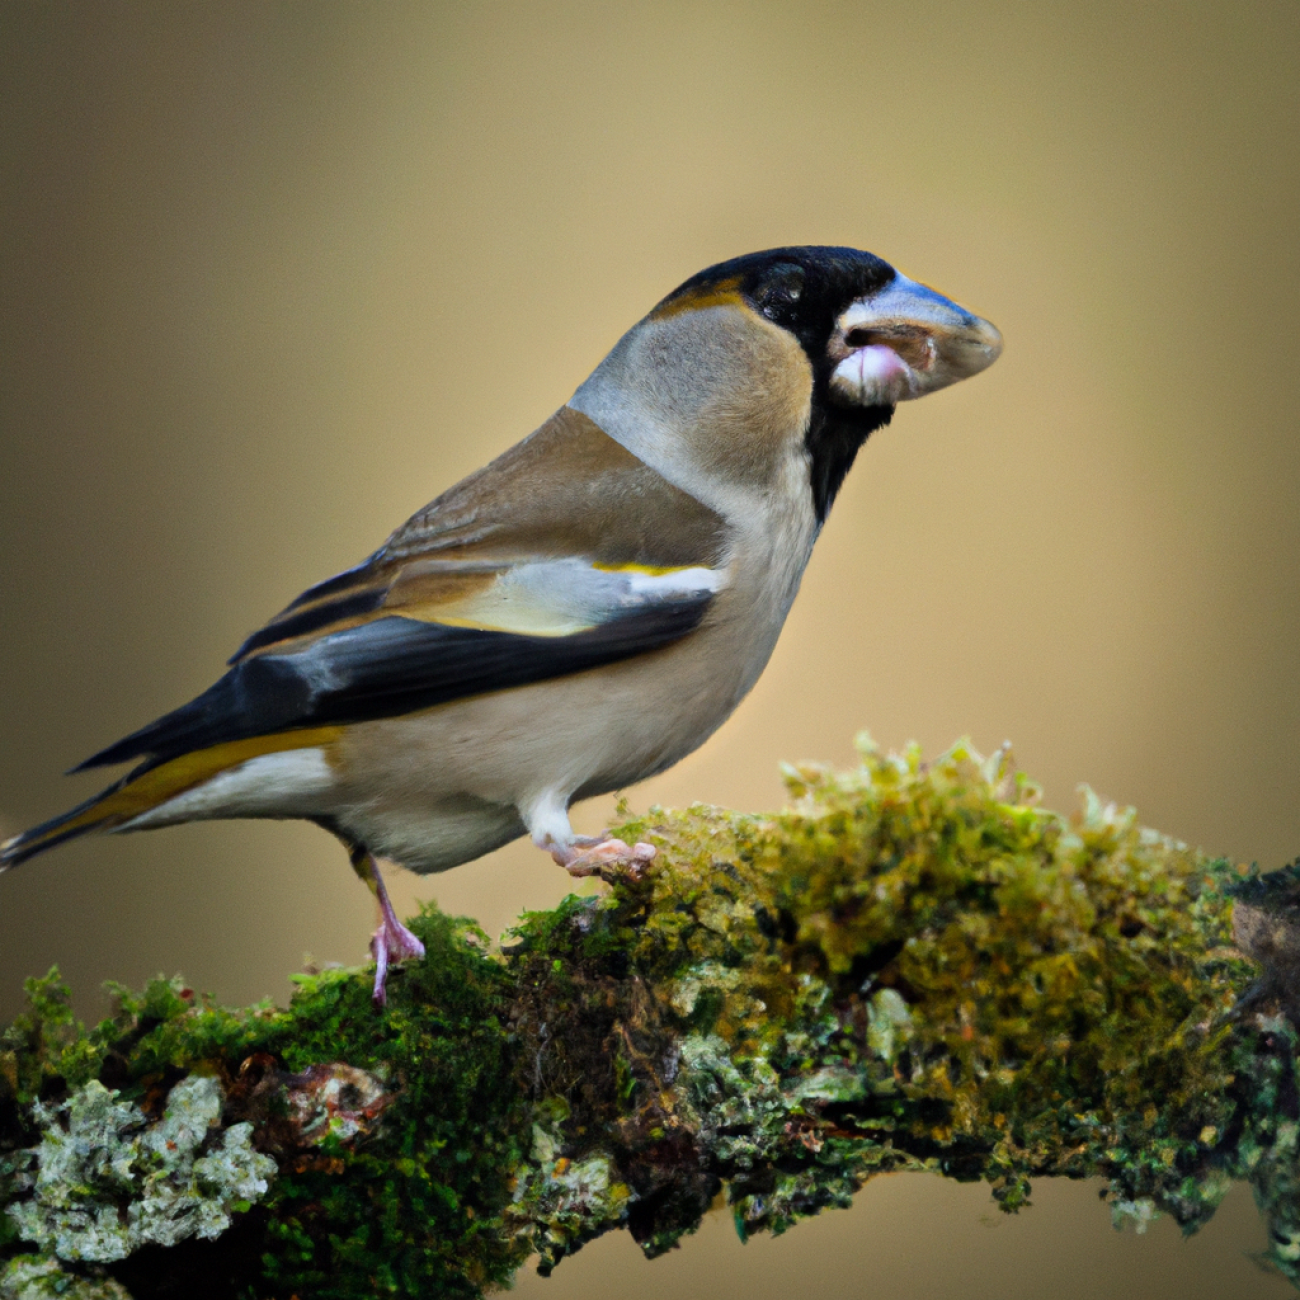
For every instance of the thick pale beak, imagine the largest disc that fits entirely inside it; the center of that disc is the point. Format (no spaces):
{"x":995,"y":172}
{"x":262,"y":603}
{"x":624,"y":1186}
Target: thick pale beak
{"x":904,"y":342}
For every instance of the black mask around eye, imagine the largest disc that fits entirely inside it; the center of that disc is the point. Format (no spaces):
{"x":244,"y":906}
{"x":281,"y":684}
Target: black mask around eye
{"x":778,"y":294}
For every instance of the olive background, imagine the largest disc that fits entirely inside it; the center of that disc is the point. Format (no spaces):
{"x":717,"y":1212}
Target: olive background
{"x":273,"y":275}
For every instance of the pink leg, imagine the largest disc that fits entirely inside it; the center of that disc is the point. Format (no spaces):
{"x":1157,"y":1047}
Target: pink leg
{"x":607,"y":858}
{"x":392,"y":942}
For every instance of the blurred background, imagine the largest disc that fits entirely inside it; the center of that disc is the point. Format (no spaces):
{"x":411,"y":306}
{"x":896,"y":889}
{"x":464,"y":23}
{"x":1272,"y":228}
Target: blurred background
{"x":274,"y":275}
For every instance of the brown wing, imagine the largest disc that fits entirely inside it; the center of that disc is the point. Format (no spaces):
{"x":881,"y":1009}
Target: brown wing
{"x":475,"y":594}
{"x":567,"y":490}
{"x":572,"y":490}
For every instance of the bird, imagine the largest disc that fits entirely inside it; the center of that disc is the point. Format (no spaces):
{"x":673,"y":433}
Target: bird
{"x":576,"y":616}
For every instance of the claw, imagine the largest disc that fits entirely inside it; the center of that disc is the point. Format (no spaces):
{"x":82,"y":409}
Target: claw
{"x":609,"y":859}
{"x":392,"y":942}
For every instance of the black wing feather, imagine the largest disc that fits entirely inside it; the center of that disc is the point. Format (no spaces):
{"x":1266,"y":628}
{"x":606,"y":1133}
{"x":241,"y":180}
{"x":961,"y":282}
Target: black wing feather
{"x":288,"y":625}
{"x":388,"y":667}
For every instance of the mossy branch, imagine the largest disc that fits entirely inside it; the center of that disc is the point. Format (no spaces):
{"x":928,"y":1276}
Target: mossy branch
{"x":912,"y":967}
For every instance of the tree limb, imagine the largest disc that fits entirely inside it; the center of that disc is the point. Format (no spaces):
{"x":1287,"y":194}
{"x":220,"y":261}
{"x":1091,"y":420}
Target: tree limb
{"x":912,"y":967}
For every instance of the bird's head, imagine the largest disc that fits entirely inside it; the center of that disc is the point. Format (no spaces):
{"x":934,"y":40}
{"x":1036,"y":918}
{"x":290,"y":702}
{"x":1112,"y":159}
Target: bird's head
{"x":802,"y":350}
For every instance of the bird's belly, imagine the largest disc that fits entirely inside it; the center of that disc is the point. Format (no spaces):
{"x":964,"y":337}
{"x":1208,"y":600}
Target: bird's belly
{"x":437,"y":788}
{"x":440,"y":787}
{"x":431,"y":834}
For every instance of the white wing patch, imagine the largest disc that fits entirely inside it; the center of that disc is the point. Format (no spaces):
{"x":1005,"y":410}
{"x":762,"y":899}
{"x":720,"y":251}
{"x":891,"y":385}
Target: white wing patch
{"x":561,"y":597}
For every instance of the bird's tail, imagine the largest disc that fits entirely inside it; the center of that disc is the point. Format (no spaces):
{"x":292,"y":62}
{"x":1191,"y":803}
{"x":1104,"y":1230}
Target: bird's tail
{"x":102,"y":812}
{"x":147,"y":787}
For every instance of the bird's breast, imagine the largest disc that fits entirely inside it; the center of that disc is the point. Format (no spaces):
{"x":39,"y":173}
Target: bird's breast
{"x":773,"y":542}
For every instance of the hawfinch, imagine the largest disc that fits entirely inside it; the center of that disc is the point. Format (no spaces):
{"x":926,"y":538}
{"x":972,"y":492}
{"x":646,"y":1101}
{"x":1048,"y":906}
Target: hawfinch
{"x":578,"y":615}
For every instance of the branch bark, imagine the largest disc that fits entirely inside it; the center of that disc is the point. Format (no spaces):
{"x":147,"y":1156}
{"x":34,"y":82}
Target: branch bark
{"x":911,"y":967}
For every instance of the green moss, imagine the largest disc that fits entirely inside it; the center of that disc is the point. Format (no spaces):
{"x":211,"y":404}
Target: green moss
{"x":916,"y":966}
{"x":911,"y":967}
{"x":412,"y":1210}
{"x":45,"y":1048}
{"x":417,"y":1210}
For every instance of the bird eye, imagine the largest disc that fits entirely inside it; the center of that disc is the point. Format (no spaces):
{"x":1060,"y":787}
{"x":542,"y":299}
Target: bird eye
{"x":782,"y":286}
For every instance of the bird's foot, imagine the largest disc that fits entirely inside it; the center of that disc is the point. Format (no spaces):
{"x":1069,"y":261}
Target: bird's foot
{"x":392,"y":942}
{"x":610,"y":859}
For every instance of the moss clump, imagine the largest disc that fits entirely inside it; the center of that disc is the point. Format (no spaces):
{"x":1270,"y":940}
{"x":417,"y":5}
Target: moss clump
{"x":415,"y":1209}
{"x":393,"y":1194}
{"x":911,"y":967}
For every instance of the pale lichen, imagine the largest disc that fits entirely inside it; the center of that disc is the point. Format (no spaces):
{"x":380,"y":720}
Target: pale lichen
{"x":41,"y":1277}
{"x":104,"y":1181}
{"x":575,"y":1199}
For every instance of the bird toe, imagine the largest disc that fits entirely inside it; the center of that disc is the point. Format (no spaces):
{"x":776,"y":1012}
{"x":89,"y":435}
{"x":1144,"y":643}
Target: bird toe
{"x":610,"y":859}
{"x":391,"y":943}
